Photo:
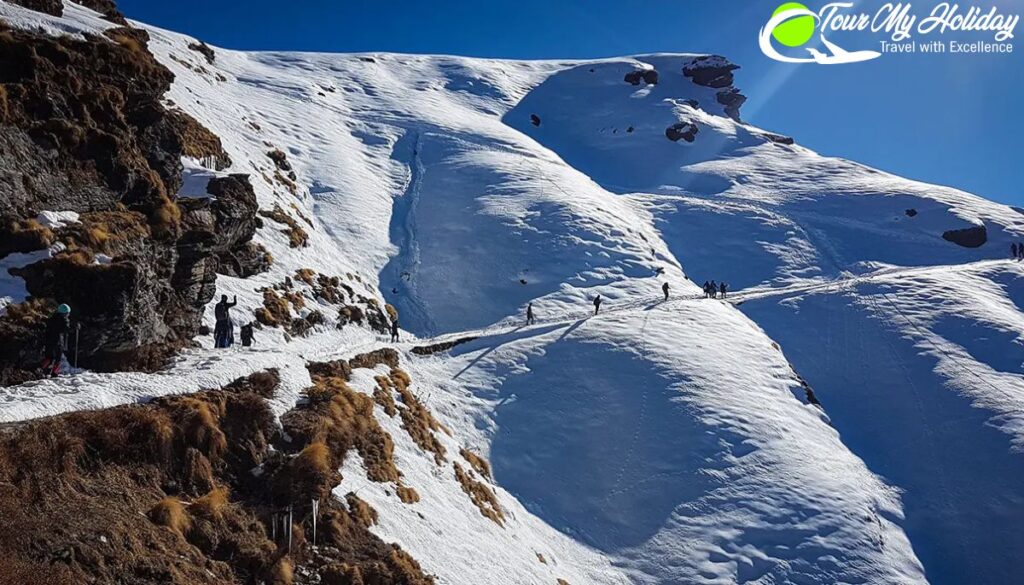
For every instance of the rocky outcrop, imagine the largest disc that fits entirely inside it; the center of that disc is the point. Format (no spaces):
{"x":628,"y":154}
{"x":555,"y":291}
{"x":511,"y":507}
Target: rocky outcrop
{"x":52,"y":7}
{"x":83,"y":128}
{"x":648,"y":76}
{"x":205,"y":50}
{"x":682,"y":131}
{"x":971,"y":237}
{"x":535,"y":119}
{"x":732,"y":100}
{"x":778,"y":138}
{"x":710,"y":71}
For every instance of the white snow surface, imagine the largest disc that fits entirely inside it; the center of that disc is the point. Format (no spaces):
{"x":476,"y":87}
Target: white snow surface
{"x":660,"y":441}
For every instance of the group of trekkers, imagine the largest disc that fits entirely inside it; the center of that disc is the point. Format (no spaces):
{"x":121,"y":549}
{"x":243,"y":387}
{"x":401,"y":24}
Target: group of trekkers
{"x":715,"y":291}
{"x":1017,"y":251}
{"x":711,"y":291}
{"x":224,"y":328}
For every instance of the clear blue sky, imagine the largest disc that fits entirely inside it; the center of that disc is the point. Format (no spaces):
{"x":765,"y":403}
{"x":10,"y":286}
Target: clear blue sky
{"x":949,"y":119}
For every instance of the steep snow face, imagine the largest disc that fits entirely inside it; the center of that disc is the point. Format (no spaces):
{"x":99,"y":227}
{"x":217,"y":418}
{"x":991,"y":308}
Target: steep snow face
{"x":659,"y":441}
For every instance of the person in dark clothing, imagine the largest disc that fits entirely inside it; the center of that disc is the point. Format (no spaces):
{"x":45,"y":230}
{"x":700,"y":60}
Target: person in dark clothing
{"x":394,"y":331}
{"x":597,"y":304}
{"x":707,"y":289}
{"x":529,"y":314}
{"x":58,"y":326}
{"x":1013,"y":251}
{"x":248,"y":337}
{"x":713,"y":289}
{"x":224,"y":330}
{"x":664,"y":289}
{"x":722,"y":288}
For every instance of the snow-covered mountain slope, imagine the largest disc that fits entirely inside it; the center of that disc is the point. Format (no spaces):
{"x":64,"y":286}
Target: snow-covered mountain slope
{"x":657,"y":442}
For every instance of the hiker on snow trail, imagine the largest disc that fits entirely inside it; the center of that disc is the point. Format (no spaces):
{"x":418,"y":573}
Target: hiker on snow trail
{"x":722,"y":288}
{"x":224,"y":330}
{"x":394,"y":331}
{"x":597,"y":304}
{"x":247,"y":335}
{"x":707,"y":290}
{"x":713,"y":289}
{"x":57,"y":328}
{"x":529,"y":314}
{"x":664,"y":289}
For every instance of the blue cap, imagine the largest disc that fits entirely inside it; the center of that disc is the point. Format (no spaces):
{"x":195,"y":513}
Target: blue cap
{"x":64,"y":309}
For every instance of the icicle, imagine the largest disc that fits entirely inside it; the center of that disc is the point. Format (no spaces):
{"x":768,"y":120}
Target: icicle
{"x":289,"y":528}
{"x":316,"y":512}
{"x":273,"y":526}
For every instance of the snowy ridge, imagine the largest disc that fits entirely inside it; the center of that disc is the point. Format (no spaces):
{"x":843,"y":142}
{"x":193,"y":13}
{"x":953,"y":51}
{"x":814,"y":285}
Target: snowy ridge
{"x":660,"y":441}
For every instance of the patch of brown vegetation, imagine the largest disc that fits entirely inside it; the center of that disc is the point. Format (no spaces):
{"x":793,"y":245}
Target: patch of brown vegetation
{"x":562,"y":582}
{"x":342,"y":419}
{"x":306,"y":275}
{"x":111,"y":232}
{"x":482,"y":496}
{"x":407,"y":494}
{"x":275,"y":311}
{"x":479,"y":464}
{"x":199,"y":142}
{"x":24,"y":235}
{"x":383,"y":394}
{"x":297,"y":237}
{"x":417,"y":419}
{"x":362,"y":511}
{"x":391,"y":311}
{"x":97,"y":498}
{"x":541,"y":558}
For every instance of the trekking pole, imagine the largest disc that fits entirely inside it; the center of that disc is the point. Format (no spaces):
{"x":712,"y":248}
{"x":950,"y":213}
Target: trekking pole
{"x":78,"y":327}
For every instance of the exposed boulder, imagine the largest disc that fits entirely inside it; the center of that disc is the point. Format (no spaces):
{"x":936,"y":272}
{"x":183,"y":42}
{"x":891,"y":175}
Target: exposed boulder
{"x":205,"y":50}
{"x":911,"y":212}
{"x":971,"y":237}
{"x":778,"y":138}
{"x":683,"y":130}
{"x":648,"y":76}
{"x":535,"y":119}
{"x":732,"y":99}
{"x":710,"y":71}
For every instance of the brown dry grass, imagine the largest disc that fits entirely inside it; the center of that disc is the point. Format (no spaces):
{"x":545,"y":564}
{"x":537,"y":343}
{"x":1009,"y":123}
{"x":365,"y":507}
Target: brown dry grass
{"x":362,"y":511}
{"x":211,"y":505}
{"x":306,"y":275}
{"x":297,"y":237}
{"x":391,"y":311}
{"x":171,"y":513}
{"x":407,"y":494}
{"x":283,"y":572}
{"x":67,"y":480}
{"x":417,"y":420}
{"x":562,"y":582}
{"x":111,"y":232}
{"x":541,"y":558}
{"x":275,"y":311}
{"x":384,"y":395}
{"x":481,"y":495}
{"x":29,"y":313}
{"x":479,"y":464}
{"x":25,"y":235}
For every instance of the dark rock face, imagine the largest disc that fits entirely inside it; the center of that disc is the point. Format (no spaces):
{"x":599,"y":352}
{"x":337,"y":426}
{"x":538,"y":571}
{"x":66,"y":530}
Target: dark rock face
{"x":82,"y":128}
{"x":911,"y":212}
{"x":732,"y":99}
{"x":683,"y":130}
{"x":53,"y":7}
{"x":710,"y":71}
{"x":971,"y":237}
{"x":105,"y":7}
{"x":648,"y":76}
{"x":778,"y":138}
{"x":205,"y":49}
